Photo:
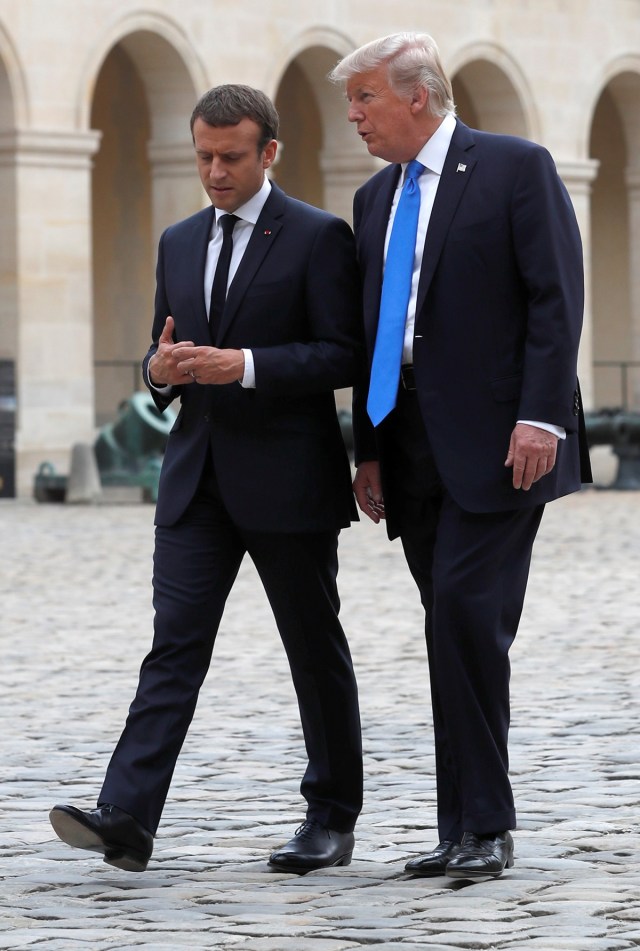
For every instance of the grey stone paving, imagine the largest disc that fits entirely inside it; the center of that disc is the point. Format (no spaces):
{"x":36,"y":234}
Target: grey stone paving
{"x":75,"y":624}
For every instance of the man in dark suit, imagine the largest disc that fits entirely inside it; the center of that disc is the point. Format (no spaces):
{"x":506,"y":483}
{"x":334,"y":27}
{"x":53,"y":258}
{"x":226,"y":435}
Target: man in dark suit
{"x":468,"y":417}
{"x":255,"y":463}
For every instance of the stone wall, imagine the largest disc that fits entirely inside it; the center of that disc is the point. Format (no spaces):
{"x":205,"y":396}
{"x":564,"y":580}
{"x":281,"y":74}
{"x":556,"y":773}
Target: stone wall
{"x":96,"y":159}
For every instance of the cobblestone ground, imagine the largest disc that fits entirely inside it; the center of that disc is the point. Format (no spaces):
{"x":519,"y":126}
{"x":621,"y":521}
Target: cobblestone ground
{"x":75,"y":624}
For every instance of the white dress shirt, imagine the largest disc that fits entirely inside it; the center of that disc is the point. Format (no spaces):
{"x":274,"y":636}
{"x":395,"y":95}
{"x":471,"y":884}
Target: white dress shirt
{"x":248,"y":215}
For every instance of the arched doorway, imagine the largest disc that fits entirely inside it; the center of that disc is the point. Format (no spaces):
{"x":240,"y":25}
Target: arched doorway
{"x":322,"y":160}
{"x":615,"y":239}
{"x":144,"y":178}
{"x":121,"y":231}
{"x":298,"y":169}
{"x":486,"y":98}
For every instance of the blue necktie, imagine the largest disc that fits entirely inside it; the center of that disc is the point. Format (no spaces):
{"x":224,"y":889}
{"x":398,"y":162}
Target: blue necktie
{"x":396,"y":290}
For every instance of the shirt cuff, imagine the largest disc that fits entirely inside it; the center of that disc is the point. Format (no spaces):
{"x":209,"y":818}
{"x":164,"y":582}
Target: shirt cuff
{"x":558,"y":431}
{"x":248,"y":380}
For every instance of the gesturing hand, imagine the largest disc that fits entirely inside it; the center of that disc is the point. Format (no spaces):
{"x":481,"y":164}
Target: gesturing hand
{"x":162,"y":367}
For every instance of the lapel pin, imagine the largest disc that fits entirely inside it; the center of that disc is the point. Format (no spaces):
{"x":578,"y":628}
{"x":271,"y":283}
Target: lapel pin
{"x":267,"y":232}
{"x":461,"y":167}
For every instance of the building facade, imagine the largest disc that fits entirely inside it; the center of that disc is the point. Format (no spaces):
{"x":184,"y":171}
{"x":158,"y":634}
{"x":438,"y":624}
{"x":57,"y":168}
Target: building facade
{"x":96,"y":160}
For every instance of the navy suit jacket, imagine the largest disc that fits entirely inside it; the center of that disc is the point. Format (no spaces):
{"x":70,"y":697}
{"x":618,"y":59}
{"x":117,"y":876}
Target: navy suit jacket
{"x":277,"y":450}
{"x":498,"y":318}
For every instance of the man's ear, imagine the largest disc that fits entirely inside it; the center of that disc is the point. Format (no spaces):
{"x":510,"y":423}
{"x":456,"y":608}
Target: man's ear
{"x":269,"y":153}
{"x":419,"y":100}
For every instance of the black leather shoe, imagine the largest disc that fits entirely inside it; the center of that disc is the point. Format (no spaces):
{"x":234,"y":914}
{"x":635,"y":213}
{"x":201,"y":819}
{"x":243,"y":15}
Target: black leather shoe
{"x":118,"y":836}
{"x":482,"y":856}
{"x":313,"y":846}
{"x":433,"y":863}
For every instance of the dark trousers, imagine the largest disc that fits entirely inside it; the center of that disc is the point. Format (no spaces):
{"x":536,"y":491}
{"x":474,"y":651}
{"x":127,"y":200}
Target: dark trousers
{"x":471,"y":570}
{"x":196,"y":562}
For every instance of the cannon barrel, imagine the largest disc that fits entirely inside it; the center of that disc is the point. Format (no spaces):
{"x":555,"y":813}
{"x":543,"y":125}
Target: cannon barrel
{"x":600,"y":428}
{"x":619,"y":429}
{"x":129,"y":450}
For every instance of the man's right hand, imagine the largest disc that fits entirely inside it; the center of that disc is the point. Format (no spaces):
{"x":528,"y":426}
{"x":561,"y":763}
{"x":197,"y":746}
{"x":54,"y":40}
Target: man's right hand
{"x":162,"y":367}
{"x":367,"y":487}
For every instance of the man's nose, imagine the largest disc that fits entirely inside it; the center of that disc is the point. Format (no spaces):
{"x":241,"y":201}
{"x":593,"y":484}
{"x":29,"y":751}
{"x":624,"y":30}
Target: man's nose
{"x":354,"y":113}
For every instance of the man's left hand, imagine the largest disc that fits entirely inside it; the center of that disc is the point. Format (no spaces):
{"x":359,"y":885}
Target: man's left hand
{"x":210,"y":365}
{"x":532,"y":454}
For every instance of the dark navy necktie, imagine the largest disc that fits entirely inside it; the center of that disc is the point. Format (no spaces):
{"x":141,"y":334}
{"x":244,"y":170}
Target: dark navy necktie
{"x":221,"y":276}
{"x":396,"y":290}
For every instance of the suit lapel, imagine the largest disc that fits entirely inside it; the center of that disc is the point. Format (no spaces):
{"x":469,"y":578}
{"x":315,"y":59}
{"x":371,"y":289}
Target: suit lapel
{"x":260,"y":243}
{"x":456,"y":173}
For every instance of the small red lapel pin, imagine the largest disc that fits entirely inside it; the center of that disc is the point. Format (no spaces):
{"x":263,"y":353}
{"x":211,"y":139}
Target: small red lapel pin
{"x":267,"y":232}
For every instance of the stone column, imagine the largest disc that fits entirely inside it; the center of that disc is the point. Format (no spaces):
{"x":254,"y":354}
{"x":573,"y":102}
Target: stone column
{"x":176,"y":191}
{"x":344,"y":172}
{"x":578,"y":177}
{"x":8,"y":259}
{"x":54,"y":319}
{"x":632,"y":180}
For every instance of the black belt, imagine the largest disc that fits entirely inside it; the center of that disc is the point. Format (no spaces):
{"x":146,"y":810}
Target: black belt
{"x":407,"y":377}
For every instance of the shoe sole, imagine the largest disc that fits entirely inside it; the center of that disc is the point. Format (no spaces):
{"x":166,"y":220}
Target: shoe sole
{"x":303,"y":869}
{"x":478,"y":876}
{"x":80,"y":836}
{"x":432,"y":873}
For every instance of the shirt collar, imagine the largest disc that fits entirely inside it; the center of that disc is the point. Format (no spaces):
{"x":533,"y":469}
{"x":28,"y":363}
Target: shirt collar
{"x":251,"y":209}
{"x":434,"y":151}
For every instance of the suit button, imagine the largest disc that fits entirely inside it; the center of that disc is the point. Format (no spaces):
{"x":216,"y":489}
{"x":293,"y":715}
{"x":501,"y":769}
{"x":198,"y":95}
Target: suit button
{"x":207,"y":418}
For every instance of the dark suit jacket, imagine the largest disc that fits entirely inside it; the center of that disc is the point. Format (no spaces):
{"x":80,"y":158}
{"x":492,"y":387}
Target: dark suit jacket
{"x":277,"y":450}
{"x":498,"y":317}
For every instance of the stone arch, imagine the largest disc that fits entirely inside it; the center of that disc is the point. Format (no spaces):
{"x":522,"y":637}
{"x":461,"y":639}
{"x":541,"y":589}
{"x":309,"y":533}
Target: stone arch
{"x":322,"y":161}
{"x":492,"y":92}
{"x":14,"y":100}
{"x":614,"y":141}
{"x":161,"y":78}
{"x":591,"y":93}
{"x":316,"y":136}
{"x":138,"y":88}
{"x":338,"y":43}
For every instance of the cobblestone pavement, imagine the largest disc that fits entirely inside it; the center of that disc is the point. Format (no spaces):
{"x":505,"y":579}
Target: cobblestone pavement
{"x":75,"y":624}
